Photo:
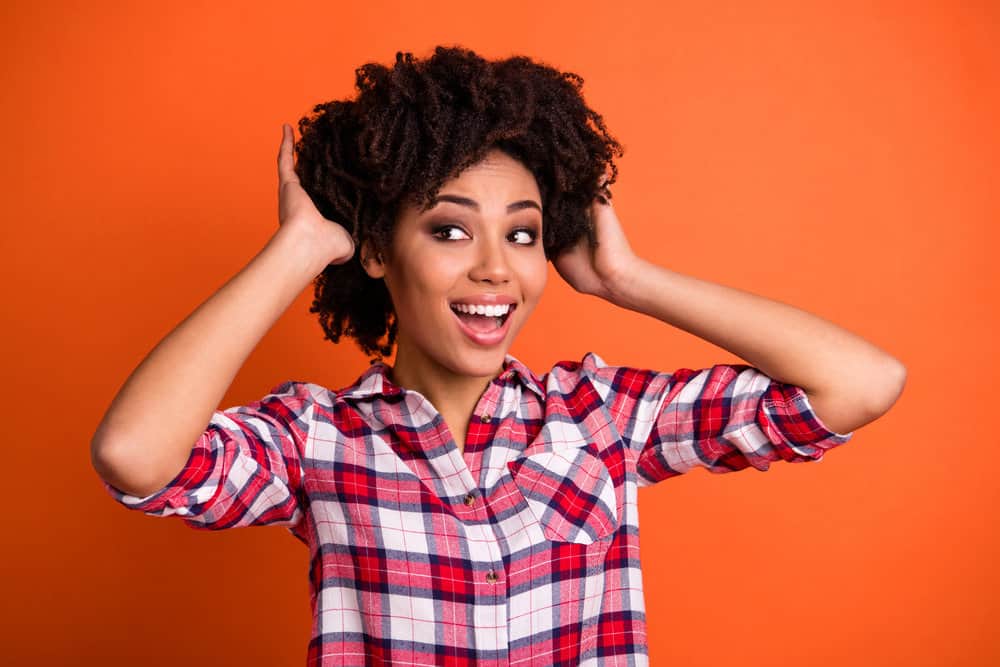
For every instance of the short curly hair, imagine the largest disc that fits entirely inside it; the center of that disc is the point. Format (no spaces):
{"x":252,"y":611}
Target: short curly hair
{"x":419,"y":123}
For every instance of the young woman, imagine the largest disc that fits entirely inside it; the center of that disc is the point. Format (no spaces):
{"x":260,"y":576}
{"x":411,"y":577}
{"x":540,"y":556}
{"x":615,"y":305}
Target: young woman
{"x":460,"y":509}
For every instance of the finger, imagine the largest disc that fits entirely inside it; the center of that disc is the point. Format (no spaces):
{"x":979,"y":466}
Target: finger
{"x":602,"y":188}
{"x":286,"y":170}
{"x":609,"y":229}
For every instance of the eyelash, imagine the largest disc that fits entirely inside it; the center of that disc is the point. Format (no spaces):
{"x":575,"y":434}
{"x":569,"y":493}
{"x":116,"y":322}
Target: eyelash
{"x":532,"y":235}
{"x":441,"y":231}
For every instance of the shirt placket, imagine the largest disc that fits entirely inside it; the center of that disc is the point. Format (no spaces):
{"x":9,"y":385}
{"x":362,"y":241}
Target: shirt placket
{"x":489,"y":575}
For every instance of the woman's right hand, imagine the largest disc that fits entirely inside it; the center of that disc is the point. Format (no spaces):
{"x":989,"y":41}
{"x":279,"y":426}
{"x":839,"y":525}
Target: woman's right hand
{"x":297,"y":214}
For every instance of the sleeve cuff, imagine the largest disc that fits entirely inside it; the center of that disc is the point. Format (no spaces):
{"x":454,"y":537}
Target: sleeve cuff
{"x":163,"y":496}
{"x":819,"y":428}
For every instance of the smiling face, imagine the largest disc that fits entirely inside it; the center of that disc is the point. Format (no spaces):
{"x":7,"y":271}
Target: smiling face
{"x":465,"y":273}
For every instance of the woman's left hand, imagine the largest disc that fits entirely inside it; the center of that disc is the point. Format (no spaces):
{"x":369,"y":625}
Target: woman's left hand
{"x":599,"y":270}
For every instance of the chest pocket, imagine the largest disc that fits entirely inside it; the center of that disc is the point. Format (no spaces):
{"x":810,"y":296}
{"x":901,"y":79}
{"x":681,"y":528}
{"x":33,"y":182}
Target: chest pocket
{"x":570,"y":492}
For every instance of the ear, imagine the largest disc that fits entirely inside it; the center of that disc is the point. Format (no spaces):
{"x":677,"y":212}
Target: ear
{"x":372,"y":261}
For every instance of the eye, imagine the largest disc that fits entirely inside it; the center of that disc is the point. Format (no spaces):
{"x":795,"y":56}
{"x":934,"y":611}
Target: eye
{"x":449,"y":233}
{"x":523,"y":236}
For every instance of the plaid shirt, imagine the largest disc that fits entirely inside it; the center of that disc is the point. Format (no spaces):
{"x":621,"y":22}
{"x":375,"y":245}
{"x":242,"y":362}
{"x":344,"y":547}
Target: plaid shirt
{"x":521,"y":550}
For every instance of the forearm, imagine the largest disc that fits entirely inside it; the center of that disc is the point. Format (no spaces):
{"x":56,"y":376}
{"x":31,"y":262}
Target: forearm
{"x":165,"y":404}
{"x":849,"y":380}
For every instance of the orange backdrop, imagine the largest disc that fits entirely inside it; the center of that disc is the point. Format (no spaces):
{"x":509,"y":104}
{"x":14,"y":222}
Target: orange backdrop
{"x":837,"y":156}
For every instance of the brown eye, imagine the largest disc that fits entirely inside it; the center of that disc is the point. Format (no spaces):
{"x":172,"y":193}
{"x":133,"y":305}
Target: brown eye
{"x":449,"y":233}
{"x":523,"y":236}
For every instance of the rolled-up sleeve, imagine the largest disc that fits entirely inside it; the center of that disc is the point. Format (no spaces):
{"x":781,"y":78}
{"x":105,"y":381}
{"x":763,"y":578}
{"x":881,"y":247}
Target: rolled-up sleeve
{"x":244,"y":470}
{"x":724,"y":418}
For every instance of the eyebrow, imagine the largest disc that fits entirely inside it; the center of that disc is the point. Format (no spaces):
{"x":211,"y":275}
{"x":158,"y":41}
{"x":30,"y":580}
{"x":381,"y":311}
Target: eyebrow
{"x":471,"y":203}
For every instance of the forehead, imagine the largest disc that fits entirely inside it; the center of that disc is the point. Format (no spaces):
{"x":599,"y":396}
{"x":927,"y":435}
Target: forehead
{"x":496,"y":174}
{"x":493,"y":183}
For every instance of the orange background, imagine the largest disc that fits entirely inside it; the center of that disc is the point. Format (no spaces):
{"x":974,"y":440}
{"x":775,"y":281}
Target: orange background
{"x":839,"y":157}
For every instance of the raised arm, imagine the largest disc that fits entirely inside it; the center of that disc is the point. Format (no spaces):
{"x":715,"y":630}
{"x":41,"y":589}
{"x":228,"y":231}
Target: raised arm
{"x":849,"y":381}
{"x":149,"y":430}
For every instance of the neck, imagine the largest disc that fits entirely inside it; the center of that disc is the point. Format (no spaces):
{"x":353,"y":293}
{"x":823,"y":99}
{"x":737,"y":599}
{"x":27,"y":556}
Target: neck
{"x":453,"y":395}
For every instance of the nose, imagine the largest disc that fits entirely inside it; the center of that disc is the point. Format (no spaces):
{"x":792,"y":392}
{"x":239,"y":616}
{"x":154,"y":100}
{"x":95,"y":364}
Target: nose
{"x":490,"y":264}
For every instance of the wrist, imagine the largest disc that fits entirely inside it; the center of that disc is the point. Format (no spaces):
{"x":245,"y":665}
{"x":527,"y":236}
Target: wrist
{"x":624,"y":284}
{"x":298,"y":250}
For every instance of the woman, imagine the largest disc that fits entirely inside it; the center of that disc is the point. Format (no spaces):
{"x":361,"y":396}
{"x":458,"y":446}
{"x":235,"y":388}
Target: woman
{"x":459,"y":508}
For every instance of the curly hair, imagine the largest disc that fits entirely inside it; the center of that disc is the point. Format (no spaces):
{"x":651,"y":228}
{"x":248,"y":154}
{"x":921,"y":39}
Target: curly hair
{"x":419,"y":123}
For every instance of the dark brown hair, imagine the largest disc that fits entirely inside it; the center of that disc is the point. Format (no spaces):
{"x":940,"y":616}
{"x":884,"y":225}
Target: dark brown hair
{"x":421,"y":122}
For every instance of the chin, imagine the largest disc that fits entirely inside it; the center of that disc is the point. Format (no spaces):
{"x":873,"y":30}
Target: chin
{"x":479,"y":363}
{"x":454,"y":353}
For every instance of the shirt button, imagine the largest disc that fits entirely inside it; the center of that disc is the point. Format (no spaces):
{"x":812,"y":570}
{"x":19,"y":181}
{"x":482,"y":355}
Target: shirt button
{"x":491,"y":577}
{"x":470,"y":499}
{"x":485,"y":417}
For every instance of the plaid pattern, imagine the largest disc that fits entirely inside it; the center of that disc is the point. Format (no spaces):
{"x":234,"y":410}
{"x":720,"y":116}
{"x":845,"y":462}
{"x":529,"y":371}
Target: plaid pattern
{"x":523,"y":550}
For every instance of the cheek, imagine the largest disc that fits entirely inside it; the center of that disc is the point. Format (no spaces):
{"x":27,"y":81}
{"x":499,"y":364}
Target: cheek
{"x":534,"y":274}
{"x":413,"y":285}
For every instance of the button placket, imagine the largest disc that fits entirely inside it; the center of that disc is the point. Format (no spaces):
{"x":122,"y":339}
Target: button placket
{"x":480,"y":424}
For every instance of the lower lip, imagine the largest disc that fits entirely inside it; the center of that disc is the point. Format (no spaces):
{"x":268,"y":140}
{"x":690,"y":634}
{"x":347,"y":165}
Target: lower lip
{"x":485,"y":338}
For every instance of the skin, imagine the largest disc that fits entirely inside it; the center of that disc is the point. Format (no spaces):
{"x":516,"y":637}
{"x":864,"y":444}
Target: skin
{"x":457,"y":252}
{"x":147,"y":433}
{"x":849,"y":381}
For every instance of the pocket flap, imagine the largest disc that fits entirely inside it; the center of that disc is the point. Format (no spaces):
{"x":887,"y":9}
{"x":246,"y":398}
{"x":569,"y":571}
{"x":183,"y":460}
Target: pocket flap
{"x":569,"y":491}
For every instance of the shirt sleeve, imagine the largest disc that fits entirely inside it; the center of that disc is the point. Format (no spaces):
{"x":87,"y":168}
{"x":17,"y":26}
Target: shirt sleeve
{"x":724,"y":418}
{"x":244,"y":470}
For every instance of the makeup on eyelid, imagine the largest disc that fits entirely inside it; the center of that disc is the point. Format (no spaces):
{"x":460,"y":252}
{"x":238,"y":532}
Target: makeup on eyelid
{"x":465,"y":278}
{"x":461,"y":234}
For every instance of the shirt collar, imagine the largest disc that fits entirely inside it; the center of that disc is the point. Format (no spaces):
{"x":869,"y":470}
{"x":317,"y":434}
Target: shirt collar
{"x":515,"y":368}
{"x":375,"y":381}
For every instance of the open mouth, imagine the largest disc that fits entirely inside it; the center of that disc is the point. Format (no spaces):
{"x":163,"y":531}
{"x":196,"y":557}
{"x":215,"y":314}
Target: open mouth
{"x":483,"y":318}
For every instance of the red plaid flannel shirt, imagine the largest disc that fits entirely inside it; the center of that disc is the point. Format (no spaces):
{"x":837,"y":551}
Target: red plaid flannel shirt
{"x":523,"y":549}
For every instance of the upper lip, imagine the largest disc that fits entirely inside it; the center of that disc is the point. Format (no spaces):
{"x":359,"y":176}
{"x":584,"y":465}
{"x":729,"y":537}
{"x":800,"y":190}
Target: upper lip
{"x":485,"y":300}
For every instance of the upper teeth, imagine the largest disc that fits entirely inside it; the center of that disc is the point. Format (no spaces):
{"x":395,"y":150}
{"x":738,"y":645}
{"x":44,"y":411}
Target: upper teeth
{"x":489,"y":311}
